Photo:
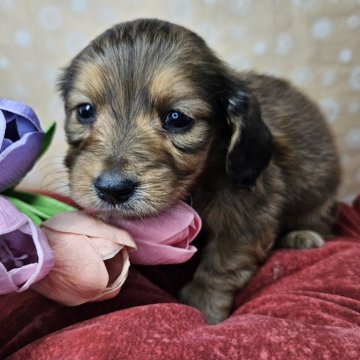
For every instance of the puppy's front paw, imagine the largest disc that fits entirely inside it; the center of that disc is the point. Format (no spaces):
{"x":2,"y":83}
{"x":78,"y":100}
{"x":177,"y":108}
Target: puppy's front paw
{"x":215,"y":305}
{"x":302,"y":239}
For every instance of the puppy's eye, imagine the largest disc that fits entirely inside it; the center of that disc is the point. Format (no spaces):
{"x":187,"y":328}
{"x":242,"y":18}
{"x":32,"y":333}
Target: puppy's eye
{"x":85,"y":113}
{"x":177,"y":121}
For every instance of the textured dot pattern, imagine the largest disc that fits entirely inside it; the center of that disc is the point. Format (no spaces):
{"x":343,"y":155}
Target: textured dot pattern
{"x":314,"y":43}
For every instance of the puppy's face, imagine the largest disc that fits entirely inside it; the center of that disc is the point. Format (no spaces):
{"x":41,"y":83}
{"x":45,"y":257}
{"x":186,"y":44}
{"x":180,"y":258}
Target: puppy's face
{"x":145,"y":102}
{"x":141,"y":117}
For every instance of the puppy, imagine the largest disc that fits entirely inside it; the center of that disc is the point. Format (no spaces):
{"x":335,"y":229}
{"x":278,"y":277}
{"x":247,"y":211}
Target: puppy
{"x":153,"y":116}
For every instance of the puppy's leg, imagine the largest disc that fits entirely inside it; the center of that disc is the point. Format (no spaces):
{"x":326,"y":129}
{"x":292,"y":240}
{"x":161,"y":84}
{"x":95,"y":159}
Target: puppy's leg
{"x":223,"y":271}
{"x":302,"y":239}
{"x":311,"y":229}
{"x":240,"y":242}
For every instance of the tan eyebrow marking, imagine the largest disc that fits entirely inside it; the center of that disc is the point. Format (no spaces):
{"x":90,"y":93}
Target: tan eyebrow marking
{"x":170,"y":87}
{"x":89,"y":85}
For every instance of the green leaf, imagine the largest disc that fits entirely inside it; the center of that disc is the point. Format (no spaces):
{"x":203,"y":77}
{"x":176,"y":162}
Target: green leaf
{"x":49,"y":135}
{"x":42,"y":205}
{"x":35,"y":216}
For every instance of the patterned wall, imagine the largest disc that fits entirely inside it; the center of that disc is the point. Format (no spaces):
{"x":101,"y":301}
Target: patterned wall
{"x":314,"y":43}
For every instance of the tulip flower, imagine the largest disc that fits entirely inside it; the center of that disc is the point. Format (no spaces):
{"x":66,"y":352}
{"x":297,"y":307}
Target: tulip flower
{"x":92,"y":258}
{"x":20,"y":141}
{"x":162,"y":239}
{"x":166,"y":238}
{"x":92,"y":261}
{"x":25,"y":256}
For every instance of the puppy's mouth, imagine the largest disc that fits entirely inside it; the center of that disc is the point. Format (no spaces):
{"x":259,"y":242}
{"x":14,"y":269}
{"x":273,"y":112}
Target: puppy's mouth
{"x":135,"y":207}
{"x":111,"y":196}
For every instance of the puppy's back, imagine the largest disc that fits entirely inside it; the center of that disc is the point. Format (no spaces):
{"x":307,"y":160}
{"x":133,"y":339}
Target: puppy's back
{"x":304,"y":148}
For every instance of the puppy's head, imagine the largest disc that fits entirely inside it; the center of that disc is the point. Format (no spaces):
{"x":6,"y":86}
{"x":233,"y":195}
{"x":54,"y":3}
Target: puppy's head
{"x":144,"y":103}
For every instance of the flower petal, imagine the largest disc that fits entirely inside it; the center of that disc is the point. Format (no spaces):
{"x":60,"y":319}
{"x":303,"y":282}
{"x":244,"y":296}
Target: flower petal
{"x":18,"y":158}
{"x":19,"y":235}
{"x":166,"y":238}
{"x":91,"y":259}
{"x":6,"y":143}
{"x":20,"y":141}
{"x":79,"y":274}
{"x":77,"y":222}
{"x":24,"y":126}
{"x":118,"y":269}
{"x":15,"y":107}
{"x":10,"y":218}
{"x":157,"y":254}
{"x":21,"y":275}
{"x":6,"y":283}
{"x":106,"y":248}
{"x":46,"y":260}
{"x":2,"y":128}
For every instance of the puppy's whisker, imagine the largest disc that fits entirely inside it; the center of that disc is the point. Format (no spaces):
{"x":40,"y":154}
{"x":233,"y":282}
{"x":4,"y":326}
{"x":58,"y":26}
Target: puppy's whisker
{"x":50,"y":178}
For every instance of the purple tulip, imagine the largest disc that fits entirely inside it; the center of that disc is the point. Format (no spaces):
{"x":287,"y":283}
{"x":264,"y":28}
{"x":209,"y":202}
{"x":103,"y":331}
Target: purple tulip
{"x":20,"y":141}
{"x":25,"y":255}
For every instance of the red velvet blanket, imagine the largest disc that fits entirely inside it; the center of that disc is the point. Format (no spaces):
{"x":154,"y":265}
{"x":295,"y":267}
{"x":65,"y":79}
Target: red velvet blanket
{"x":302,"y":304}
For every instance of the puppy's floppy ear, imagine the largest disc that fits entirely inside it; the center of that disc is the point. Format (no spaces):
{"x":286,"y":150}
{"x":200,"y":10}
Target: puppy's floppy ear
{"x":250,"y":148}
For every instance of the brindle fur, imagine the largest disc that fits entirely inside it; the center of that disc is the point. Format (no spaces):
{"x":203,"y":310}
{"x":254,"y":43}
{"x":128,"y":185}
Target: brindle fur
{"x":259,"y":162}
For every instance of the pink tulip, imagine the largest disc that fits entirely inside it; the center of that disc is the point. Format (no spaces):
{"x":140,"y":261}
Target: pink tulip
{"x":166,"y":238}
{"x":25,"y":255}
{"x":92,"y":261}
{"x":162,"y":239}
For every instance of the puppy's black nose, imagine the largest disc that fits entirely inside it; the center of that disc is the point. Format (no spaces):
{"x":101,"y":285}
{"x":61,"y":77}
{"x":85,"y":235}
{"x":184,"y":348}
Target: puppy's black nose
{"x":114,"y":188}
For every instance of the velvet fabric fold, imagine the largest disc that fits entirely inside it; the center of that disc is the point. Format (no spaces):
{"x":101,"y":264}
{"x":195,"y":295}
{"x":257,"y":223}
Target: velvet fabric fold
{"x":301,"y":304}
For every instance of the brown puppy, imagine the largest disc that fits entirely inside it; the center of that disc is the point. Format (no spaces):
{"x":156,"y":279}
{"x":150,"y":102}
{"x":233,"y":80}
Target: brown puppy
{"x":153,"y":116}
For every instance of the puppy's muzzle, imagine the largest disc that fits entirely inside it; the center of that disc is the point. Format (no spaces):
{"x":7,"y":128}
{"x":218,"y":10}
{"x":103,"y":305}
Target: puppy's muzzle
{"x":114,"y":188}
